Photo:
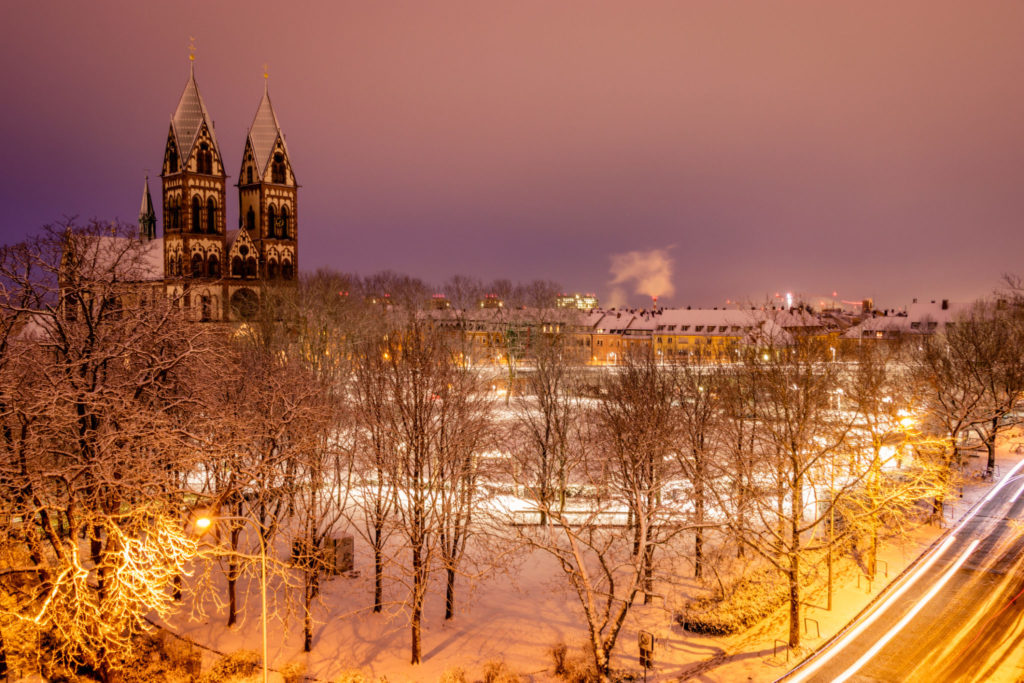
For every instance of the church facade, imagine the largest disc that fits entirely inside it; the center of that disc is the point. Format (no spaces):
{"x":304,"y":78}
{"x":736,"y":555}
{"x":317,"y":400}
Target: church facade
{"x":218,"y":273}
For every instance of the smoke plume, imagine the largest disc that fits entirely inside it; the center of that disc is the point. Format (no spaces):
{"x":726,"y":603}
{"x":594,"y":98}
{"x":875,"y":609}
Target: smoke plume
{"x":645,"y":272}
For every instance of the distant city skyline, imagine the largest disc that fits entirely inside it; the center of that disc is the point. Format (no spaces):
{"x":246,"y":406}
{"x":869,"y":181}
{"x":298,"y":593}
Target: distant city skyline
{"x":875,"y":151}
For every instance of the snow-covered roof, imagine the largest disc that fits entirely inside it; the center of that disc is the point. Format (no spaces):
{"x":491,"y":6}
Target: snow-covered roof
{"x":189,"y":117}
{"x":263,"y":133}
{"x":121,"y":258}
{"x":920,"y":318}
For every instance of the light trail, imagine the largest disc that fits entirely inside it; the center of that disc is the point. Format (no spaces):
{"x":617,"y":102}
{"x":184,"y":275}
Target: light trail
{"x":1017,"y":495}
{"x":866,"y":657}
{"x":826,"y":655}
{"x":862,"y":626}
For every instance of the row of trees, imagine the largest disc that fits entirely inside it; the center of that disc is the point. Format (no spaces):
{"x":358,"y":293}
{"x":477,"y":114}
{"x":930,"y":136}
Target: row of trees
{"x":122,"y":423}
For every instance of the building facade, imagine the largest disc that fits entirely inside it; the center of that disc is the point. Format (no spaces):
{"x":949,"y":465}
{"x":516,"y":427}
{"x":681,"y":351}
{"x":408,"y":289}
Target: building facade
{"x":218,"y":273}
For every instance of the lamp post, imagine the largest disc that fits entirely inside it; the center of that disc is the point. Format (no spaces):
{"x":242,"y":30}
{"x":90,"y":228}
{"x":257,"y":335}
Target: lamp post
{"x":203,"y":523}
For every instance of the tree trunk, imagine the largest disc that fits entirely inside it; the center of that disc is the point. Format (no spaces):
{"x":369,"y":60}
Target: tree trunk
{"x":449,"y":598}
{"x":417,"y":604}
{"x":794,"y":564}
{"x":378,"y":572}
{"x":990,"y":444}
{"x":307,"y":617}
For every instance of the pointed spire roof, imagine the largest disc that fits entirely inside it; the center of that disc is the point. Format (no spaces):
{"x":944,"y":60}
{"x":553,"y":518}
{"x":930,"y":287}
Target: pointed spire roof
{"x":147,"y":214}
{"x":264,"y":131}
{"x":190,"y":115}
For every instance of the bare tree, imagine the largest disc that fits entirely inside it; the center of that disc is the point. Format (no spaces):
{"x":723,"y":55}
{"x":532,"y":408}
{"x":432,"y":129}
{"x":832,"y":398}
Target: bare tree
{"x":799,"y":432}
{"x":99,"y":379}
{"x":701,"y":385}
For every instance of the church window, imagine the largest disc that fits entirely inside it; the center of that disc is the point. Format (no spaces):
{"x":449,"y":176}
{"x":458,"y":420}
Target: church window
{"x":204,"y":159}
{"x":172,"y":159}
{"x":213,"y":266}
{"x":271,"y":221}
{"x":277,"y":172}
{"x":250,"y":267}
{"x":196,"y":220}
{"x":248,"y":175}
{"x":236,"y":267}
{"x":283,"y":222}
{"x":250,"y":219}
{"x":272,"y":270}
{"x":286,"y":270}
{"x":211,"y":216}
{"x":197,"y":265}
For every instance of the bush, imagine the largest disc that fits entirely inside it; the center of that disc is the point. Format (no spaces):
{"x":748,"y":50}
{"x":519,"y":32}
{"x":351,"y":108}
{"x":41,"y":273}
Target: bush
{"x":575,"y":667}
{"x":751,"y":599}
{"x":294,"y":672}
{"x":234,"y":667}
{"x":453,"y":675}
{"x":499,"y":672}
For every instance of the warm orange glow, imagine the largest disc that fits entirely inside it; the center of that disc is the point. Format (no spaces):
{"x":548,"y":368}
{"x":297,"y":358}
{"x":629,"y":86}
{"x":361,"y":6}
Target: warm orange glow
{"x":203,"y":523}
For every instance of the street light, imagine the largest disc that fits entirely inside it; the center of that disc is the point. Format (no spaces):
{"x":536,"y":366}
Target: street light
{"x":203,"y":523}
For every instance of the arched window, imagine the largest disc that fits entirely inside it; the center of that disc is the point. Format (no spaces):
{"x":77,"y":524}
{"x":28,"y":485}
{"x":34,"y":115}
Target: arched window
{"x":196,"y":220}
{"x":211,"y":216}
{"x":277,"y":171}
{"x":286,"y":270}
{"x":271,"y":221}
{"x":248,"y":175}
{"x":236,"y":267}
{"x":204,"y":159}
{"x":197,"y":265}
{"x":213,"y":266}
{"x":272,"y":270}
{"x":250,"y":267}
{"x":250,"y":219}
{"x":172,"y":159}
{"x":283,"y":232}
{"x":178,"y":265}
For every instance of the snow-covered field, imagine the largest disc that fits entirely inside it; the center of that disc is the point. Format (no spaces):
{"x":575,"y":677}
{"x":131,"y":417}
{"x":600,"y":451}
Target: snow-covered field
{"x":515,"y":612}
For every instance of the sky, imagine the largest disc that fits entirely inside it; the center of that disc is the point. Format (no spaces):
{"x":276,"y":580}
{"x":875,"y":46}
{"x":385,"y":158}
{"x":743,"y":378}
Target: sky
{"x":875,"y":149}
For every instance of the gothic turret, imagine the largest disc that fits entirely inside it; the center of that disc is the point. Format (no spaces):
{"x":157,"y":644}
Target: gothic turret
{"x":147,"y":215}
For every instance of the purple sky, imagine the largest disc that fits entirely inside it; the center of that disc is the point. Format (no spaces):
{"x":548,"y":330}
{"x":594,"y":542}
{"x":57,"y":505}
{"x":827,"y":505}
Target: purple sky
{"x":872,"y":148}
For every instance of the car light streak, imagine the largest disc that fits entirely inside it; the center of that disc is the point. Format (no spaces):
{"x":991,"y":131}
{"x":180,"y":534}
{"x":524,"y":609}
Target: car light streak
{"x":856,"y":631}
{"x":1017,"y":495}
{"x":812,"y":665}
{"x":866,"y":657}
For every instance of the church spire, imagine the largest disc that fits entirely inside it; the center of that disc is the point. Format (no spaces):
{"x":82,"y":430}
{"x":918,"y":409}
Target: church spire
{"x":190,"y":116}
{"x":265,"y":131}
{"x":147,"y":215}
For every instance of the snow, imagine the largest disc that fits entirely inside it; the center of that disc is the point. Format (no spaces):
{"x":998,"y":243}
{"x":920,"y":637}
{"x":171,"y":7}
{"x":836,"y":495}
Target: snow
{"x":521,"y":607}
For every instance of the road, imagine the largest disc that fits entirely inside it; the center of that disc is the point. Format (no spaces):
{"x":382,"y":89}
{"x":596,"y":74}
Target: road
{"x":957,"y":616}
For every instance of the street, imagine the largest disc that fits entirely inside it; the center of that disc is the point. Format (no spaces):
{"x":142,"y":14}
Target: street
{"x":956,"y":616}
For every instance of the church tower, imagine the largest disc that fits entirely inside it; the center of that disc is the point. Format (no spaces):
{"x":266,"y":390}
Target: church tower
{"x":193,"y":200}
{"x":268,"y":198}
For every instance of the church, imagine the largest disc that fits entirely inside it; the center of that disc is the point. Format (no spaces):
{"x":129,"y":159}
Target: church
{"x":219,"y":273}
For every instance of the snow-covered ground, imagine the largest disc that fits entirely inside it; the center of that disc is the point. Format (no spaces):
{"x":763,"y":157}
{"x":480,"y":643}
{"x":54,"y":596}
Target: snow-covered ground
{"x":518,"y":611}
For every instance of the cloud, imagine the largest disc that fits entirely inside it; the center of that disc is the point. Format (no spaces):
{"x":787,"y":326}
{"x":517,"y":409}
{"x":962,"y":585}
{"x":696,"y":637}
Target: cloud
{"x":649,"y":273}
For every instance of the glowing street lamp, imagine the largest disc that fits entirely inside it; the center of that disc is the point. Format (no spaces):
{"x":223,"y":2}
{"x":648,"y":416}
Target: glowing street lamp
{"x":203,"y":523}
